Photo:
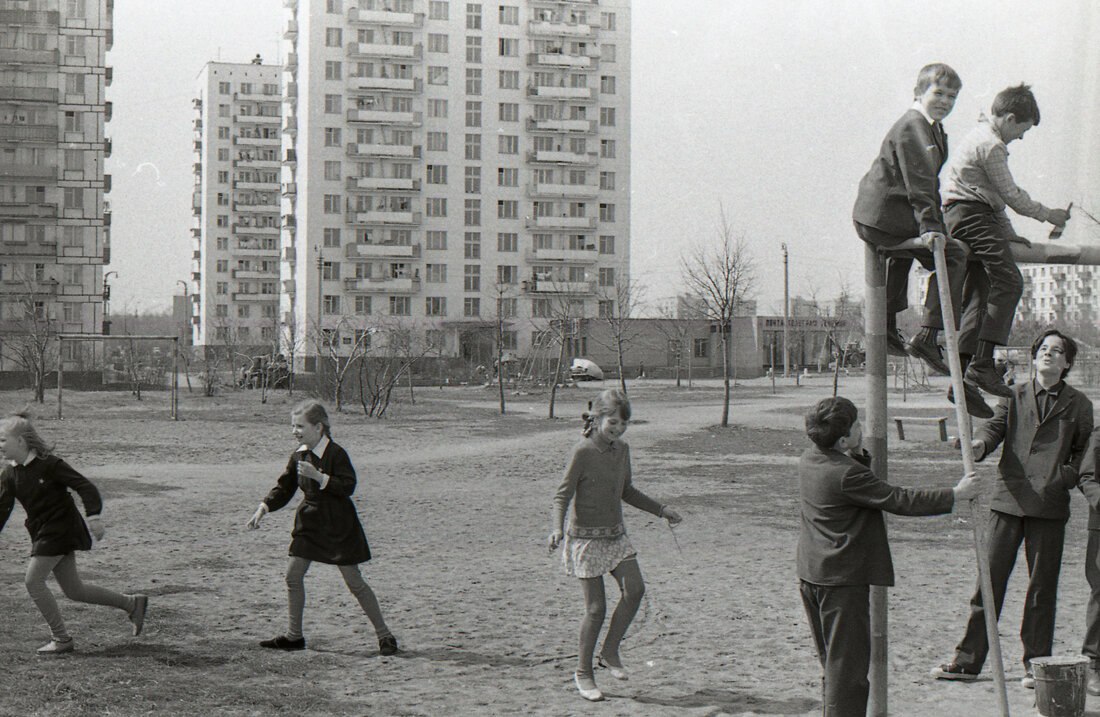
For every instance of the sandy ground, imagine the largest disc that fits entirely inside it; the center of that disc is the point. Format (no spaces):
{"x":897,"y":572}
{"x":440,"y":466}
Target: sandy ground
{"x":456,"y":503}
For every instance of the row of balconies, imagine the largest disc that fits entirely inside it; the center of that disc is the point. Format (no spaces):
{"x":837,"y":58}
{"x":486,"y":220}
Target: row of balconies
{"x":30,"y":210}
{"x":251,"y":229}
{"x":257,"y":119}
{"x":575,"y":223}
{"x":28,"y":57}
{"x":28,"y":171}
{"x":11,"y":93}
{"x":381,"y":217}
{"x":544,"y":189}
{"x":254,"y":274}
{"x":560,"y":28}
{"x":384,"y":284}
{"x":30,"y":17}
{"x":384,"y":150}
{"x":29,"y":133}
{"x":254,"y":296}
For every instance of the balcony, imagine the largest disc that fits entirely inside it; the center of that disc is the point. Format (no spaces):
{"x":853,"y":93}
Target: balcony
{"x":290,"y":188}
{"x":253,"y":274}
{"x":574,"y":94}
{"x":258,"y":141}
{"x":290,"y":221}
{"x":365,"y":49}
{"x":109,"y":38}
{"x":196,"y":255}
{"x":27,"y":57}
{"x":28,"y":171}
{"x":27,"y":251}
{"x":106,"y":183}
{"x":28,"y":94}
{"x":249,"y":230}
{"x":254,"y":249}
{"x":108,"y":111}
{"x":265,"y":163}
{"x":363,"y":250}
{"x":291,"y":125}
{"x":290,"y":254}
{"x":255,"y":208}
{"x":29,"y":133}
{"x":291,"y":158}
{"x":387,"y":285}
{"x":576,"y":126}
{"x":288,"y":286}
{"x":583,"y":223}
{"x":383,"y":183}
{"x":34,"y":18}
{"x":560,"y":28}
{"x":28,"y":210}
{"x":384,"y":150}
{"x":588,"y":255}
{"x":385,"y":217}
{"x":587,"y":159}
{"x":196,"y":276}
{"x":254,"y":296}
{"x":108,"y":76}
{"x":551,"y":191}
{"x":386,"y":17}
{"x":257,"y":119}
{"x":196,"y":168}
{"x":291,"y":63}
{"x":385,"y":117}
{"x":291,"y":32}
{"x":548,"y":285}
{"x":107,"y":148}
{"x":390,"y":84}
{"x":291,"y":4}
{"x":255,"y":186}
{"x":556,"y":60}
{"x":291,"y":91}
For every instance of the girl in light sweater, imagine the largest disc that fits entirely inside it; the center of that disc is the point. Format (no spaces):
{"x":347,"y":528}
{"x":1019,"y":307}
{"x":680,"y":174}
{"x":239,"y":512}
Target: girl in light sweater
{"x":598,"y":482}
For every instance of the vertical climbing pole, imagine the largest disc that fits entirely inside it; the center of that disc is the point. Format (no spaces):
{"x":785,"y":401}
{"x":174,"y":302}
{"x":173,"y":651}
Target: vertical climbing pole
{"x":977,"y":519}
{"x":874,"y":440}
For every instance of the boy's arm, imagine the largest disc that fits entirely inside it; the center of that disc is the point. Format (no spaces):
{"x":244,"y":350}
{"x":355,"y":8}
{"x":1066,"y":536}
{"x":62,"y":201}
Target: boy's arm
{"x":1088,"y":482}
{"x":1082,"y":440}
{"x":1000,"y":176}
{"x":918,"y":163}
{"x":993,"y":432}
{"x":863,"y":488}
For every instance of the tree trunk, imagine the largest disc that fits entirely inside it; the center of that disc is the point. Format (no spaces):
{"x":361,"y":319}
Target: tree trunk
{"x":500,"y":370}
{"x":619,"y":357}
{"x":725,"y":381}
{"x":557,"y":374}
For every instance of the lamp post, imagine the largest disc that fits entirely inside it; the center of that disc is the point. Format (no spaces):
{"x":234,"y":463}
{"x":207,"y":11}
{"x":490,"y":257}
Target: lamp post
{"x":186,"y":307}
{"x":786,"y":318}
{"x":106,"y":330}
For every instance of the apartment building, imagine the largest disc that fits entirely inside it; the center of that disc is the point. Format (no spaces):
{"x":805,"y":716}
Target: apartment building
{"x":235,"y":231}
{"x":1059,"y":294}
{"x":54,"y":218}
{"x":450,"y":164}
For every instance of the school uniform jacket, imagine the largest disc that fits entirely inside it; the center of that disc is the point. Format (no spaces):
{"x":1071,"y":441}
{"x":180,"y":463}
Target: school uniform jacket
{"x":42,"y":488}
{"x":1089,"y":482}
{"x":843,"y":536}
{"x":1040,"y":460}
{"x":326,"y":526}
{"x":900,"y":194}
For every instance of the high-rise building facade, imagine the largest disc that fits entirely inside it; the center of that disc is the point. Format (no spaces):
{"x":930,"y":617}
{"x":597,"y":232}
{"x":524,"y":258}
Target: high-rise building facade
{"x":54,"y":218}
{"x":235,"y":232}
{"x":451,"y":164}
{"x":1064,"y":294}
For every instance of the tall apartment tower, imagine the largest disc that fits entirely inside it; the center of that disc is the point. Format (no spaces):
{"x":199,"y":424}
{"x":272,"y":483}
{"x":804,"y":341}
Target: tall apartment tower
{"x":235,"y":234}
{"x":54,"y":218}
{"x":449,"y":163}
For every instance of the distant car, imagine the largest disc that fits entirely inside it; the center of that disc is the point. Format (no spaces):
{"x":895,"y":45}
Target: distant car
{"x":585,"y":370}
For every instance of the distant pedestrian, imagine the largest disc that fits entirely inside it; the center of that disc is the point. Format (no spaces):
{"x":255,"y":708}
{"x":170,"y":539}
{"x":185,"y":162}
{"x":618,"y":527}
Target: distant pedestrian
{"x":326,"y":526}
{"x":41,"y":482}
{"x":594,"y":542}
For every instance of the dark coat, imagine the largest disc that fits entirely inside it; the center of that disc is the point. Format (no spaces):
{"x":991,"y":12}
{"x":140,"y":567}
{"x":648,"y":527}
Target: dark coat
{"x":42,"y":488}
{"x":843,"y":537}
{"x":900,"y":194}
{"x":1040,"y":460}
{"x":326,"y":526}
{"x":1089,"y":482}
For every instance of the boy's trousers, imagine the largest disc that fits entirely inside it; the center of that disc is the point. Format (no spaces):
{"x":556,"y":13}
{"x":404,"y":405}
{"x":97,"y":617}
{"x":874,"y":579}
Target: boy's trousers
{"x":994,"y":284}
{"x":1091,"y":646}
{"x":840,"y":619}
{"x":1043,"y":539}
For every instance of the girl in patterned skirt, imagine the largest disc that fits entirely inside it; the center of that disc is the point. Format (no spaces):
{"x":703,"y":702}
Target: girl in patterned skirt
{"x":598,"y":482}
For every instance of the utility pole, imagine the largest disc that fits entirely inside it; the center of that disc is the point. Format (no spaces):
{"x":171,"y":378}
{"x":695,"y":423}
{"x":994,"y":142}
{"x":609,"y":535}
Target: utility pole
{"x":786,"y":317}
{"x":106,"y":327}
{"x":187,"y":311}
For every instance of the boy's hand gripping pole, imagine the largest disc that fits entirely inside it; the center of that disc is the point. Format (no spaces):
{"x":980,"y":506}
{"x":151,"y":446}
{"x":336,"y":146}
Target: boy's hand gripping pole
{"x":965,"y":439}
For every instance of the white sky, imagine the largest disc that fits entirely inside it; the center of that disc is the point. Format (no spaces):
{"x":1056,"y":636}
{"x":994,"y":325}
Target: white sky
{"x":773,"y":109}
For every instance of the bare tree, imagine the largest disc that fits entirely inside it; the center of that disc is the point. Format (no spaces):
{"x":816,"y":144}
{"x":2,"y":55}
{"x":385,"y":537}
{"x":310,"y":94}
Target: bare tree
{"x":33,"y":331}
{"x":842,"y":321}
{"x":338,"y":356}
{"x":722,"y":275}
{"x":565,"y":301}
{"x":382,"y":367}
{"x":618,"y":303}
{"x":503,"y":297}
{"x":675,"y":332}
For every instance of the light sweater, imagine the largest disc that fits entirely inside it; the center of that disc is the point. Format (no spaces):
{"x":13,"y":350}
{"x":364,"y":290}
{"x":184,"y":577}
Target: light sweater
{"x":597,"y":481}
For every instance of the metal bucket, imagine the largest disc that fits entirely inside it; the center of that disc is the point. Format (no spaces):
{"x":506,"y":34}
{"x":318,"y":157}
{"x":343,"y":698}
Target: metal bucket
{"x":1060,"y":685}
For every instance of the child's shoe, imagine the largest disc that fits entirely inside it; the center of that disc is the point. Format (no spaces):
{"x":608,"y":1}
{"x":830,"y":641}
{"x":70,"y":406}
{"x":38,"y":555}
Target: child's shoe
{"x":387,"y":645}
{"x":57,"y":647}
{"x":282,"y":642}
{"x":586,"y":686}
{"x":983,"y":374}
{"x":137,"y":615}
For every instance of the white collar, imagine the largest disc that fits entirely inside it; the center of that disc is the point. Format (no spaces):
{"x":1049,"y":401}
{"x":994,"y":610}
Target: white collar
{"x":920,"y":108}
{"x":26,"y":461}
{"x":319,"y":449}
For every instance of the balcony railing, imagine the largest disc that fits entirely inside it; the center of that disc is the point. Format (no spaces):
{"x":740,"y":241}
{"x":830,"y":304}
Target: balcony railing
{"x":373,"y":49}
{"x":258,"y":141}
{"x":30,"y":17}
{"x":549,"y":285}
{"x":384,"y":217}
{"x":385,"y":17}
{"x":28,"y":57}
{"x":544,"y":189}
{"x":393,"y":84}
{"x":587,"y":159}
{"x":31,"y":133}
{"x":389,"y":285}
{"x":28,"y":94}
{"x":362,"y":250}
{"x":547,"y":92}
{"x":248,"y":229}
{"x":386,"y":117}
{"x":257,"y":119}
{"x":384,"y":150}
{"x":579,"y":126}
{"x":30,"y":210}
{"x":562,"y":61}
{"x":29,"y":171}
{"x":588,"y":255}
{"x":383,"y":183}
{"x":588,"y":223}
{"x":291,"y":32}
{"x":254,"y":274}
{"x":254,"y":296}
{"x":560,"y":28}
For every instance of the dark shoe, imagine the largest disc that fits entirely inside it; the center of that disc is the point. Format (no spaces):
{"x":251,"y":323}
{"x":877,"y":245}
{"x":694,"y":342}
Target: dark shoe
{"x":954,"y":671}
{"x":137,"y":615}
{"x":1094,"y":681}
{"x":57,"y":647}
{"x":975,"y":404}
{"x":387,"y":645}
{"x":282,"y":642}
{"x":895,"y":343}
{"x":1028,"y":680}
{"x":983,"y":374}
{"x":929,"y":352}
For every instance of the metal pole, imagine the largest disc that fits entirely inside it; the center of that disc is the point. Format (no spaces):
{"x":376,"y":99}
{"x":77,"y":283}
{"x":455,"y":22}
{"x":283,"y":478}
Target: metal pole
{"x":60,"y":372}
{"x":786,"y":318}
{"x":962,"y":418}
{"x":176,"y":380}
{"x":874,"y":439}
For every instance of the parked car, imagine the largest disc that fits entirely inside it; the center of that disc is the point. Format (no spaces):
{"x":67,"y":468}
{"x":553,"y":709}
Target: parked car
{"x":585,"y":370}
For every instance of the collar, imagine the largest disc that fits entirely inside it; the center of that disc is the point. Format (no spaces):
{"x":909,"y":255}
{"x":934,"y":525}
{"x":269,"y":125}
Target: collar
{"x":920,"y":108}
{"x":985,"y":121}
{"x":1052,"y":391}
{"x":319,"y":449}
{"x":26,"y":461}
{"x":602,"y":444}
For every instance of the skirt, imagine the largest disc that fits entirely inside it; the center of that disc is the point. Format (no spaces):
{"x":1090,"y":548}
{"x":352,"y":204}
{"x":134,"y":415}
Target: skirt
{"x":593,"y":557}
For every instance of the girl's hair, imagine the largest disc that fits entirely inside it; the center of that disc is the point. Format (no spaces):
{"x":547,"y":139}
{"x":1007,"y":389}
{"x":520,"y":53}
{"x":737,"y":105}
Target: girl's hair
{"x":314,"y":412}
{"x":19,"y":424}
{"x":609,"y":403}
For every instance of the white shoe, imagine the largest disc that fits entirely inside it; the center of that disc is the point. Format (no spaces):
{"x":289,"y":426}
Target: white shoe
{"x":619,"y":673}
{"x":55,"y":647}
{"x":587,"y":687}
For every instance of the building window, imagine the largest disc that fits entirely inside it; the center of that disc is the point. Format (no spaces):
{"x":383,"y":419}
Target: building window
{"x":607,"y":116}
{"x":473,"y":16}
{"x":437,"y":75}
{"x":607,"y":180}
{"x":508,"y":111}
{"x":435,"y":273}
{"x":74,"y":121}
{"x":334,"y":104}
{"x":330,"y":270}
{"x":607,"y":53}
{"x":701,"y":348}
{"x":400,"y":306}
{"x":471,"y":278}
{"x":436,"y":240}
{"x":471,"y":306}
{"x":334,"y":37}
{"x":438,"y":43}
{"x":507,"y":274}
{"x":223,"y":154}
{"x":473,"y":180}
{"x":438,"y":10}
{"x":334,"y":7}
{"x":607,"y":21}
{"x":437,"y":141}
{"x":472,"y":245}
{"x":473,"y":213}
{"x":362,"y":305}
{"x":332,"y":136}
{"x":330,"y":237}
{"x":436,"y":206}
{"x":332,"y":203}
{"x":473,"y":49}
{"x":221,"y":266}
{"x":437,"y":109}
{"x":607,"y":212}
{"x":473,"y":147}
{"x":224,"y":88}
{"x":332,"y":170}
{"x":509,"y":15}
{"x":508,"y":144}
{"x":607,"y":244}
{"x":607,"y":85}
{"x":221,"y":287}
{"x":334,"y":70}
{"x":607,"y":276}
{"x":507,"y":209}
{"x":73,"y":198}
{"x":509,"y":79}
{"x":540,"y":309}
{"x":435,"y":306}
{"x":508,"y":47}
{"x":607,"y":309}
{"x":507,"y":241}
{"x":607,"y":148}
{"x":473,"y":80}
{"x":473,"y":113}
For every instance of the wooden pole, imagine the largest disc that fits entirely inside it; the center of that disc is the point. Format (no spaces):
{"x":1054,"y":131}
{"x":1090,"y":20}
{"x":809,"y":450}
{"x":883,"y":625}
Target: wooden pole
{"x":977,"y":518}
{"x":874,"y":439}
{"x":176,"y":380}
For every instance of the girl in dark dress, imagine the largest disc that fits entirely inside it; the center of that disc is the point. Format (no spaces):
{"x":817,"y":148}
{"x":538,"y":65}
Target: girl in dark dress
{"x":326,"y":526}
{"x":41,"y":482}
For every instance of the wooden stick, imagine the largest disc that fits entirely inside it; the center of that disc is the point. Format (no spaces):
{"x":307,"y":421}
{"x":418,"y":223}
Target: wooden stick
{"x":965,"y":439}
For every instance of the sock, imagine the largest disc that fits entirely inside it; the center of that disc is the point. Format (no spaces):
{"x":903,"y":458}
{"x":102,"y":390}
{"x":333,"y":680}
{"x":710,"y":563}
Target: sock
{"x":928,"y":334}
{"x":985,"y":349}
{"x":964,"y":359}
{"x":383,"y":634}
{"x":891,"y":323}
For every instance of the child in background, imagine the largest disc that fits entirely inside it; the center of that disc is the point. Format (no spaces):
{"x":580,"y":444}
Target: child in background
{"x":899,"y":199}
{"x":598,"y":482}
{"x":843,"y":548}
{"x":326,"y":525}
{"x":41,"y":482}
{"x":976,"y":191}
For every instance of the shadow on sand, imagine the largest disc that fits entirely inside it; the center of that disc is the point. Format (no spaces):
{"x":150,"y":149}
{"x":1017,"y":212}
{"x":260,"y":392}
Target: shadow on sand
{"x":735,"y":702}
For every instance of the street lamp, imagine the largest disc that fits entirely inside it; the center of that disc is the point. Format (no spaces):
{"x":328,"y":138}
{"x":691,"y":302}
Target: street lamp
{"x":186,"y":308}
{"x":106,"y":330}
